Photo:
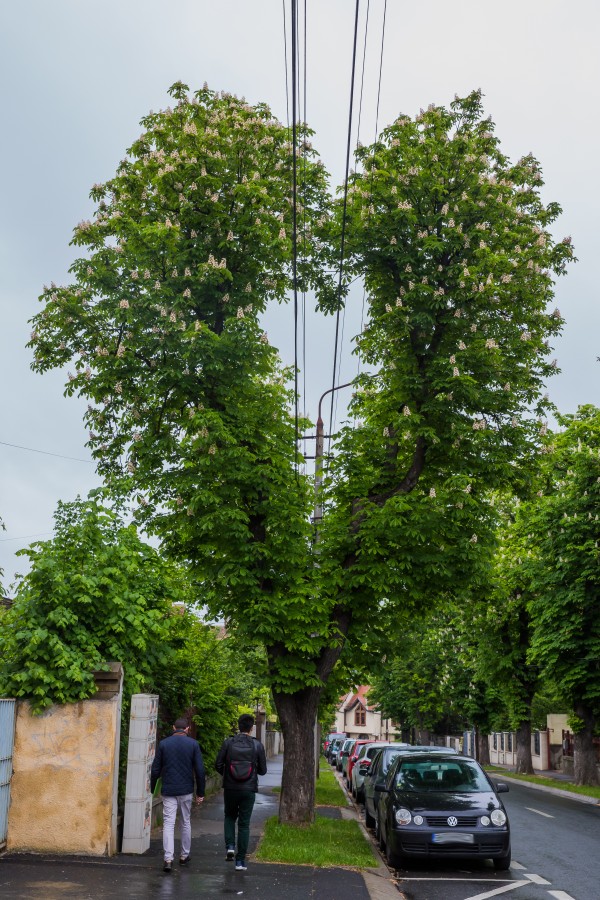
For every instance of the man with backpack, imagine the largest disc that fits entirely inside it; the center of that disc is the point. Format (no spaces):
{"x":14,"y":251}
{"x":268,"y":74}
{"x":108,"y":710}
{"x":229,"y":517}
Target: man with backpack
{"x":240,"y":761}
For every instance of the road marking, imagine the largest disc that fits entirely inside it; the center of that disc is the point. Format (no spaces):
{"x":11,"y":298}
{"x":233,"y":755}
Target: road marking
{"x":539,"y":812}
{"x":537,"y":879}
{"x":508,"y":887}
{"x":516,"y":865}
{"x":560,"y":895}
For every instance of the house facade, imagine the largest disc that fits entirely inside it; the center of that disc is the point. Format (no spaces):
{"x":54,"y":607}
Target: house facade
{"x":359,"y":719}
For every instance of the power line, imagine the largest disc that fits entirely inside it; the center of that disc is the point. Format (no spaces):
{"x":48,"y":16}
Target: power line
{"x":287,"y":98}
{"x":362,"y":314}
{"x":24,"y":537}
{"x":344,"y":207}
{"x":46,"y":452}
{"x":294,"y":6}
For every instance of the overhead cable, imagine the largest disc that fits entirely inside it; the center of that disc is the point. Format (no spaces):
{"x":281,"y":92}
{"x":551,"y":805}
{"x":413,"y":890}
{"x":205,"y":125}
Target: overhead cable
{"x":344,"y":208}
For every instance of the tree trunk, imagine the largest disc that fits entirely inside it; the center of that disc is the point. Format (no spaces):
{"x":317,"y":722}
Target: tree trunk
{"x":524,"y":761}
{"x":483,"y":749}
{"x":297,"y":716}
{"x":584,"y":752}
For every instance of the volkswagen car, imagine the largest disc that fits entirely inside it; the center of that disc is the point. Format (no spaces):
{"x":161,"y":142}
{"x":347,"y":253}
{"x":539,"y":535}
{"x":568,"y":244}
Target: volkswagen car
{"x":441,"y":806}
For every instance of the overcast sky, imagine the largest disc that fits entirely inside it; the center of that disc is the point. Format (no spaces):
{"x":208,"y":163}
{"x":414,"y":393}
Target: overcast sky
{"x":77,"y":76}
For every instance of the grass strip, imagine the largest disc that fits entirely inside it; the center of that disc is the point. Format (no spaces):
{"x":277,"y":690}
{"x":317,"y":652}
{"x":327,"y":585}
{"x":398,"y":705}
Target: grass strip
{"x":328,"y":791}
{"x":327,"y":842}
{"x":583,"y":789}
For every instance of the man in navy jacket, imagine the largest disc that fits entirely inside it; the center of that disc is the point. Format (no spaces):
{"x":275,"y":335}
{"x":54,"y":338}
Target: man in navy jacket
{"x":177,"y":761}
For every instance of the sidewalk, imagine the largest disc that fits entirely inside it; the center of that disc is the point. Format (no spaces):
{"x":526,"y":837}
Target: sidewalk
{"x":208,"y":875}
{"x":553,"y":775}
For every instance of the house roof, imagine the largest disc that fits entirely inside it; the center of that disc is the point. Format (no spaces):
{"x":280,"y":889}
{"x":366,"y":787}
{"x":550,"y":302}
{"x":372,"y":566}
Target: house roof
{"x":358,"y":697}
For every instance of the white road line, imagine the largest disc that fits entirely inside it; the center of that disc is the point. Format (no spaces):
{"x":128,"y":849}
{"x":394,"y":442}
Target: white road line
{"x":537,"y":879}
{"x":539,"y":812}
{"x":516,"y":865}
{"x":560,"y":895}
{"x":508,"y":887}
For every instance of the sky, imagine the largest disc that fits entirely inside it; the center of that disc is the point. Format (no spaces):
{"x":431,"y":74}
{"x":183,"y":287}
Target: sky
{"x":78,"y":76}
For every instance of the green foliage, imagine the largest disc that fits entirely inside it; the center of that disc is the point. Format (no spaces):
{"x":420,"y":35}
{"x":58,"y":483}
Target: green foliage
{"x":453,"y":242}
{"x":95,"y":594}
{"x":554,"y":555}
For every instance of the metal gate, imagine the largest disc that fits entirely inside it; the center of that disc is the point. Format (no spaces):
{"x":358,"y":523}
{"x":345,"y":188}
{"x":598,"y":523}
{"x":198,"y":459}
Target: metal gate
{"x":7,"y":736}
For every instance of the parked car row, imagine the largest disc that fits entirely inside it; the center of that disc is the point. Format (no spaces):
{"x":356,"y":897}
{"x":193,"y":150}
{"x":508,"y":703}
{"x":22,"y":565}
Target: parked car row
{"x":426,"y":802}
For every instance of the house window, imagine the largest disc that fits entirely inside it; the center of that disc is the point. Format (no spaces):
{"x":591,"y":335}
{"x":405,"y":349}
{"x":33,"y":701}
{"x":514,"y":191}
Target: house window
{"x":537,"y":747}
{"x":360,"y":716}
{"x":495,"y":741}
{"x":502,"y":741}
{"x":509,"y":740}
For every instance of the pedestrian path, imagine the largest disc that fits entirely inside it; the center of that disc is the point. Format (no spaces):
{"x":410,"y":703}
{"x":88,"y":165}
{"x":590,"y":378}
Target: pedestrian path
{"x":208,"y":875}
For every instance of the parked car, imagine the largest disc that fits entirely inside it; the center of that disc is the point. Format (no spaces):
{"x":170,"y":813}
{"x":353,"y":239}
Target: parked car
{"x":343,"y":753}
{"x":353,"y":757}
{"x":376,"y":773}
{"x":334,"y":747}
{"x":440,"y":806}
{"x":345,"y":756}
{"x":328,"y":740}
{"x":361,"y":766}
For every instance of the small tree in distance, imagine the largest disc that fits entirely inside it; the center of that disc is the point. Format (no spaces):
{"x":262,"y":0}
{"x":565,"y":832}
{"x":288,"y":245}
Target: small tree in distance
{"x":189,"y":406}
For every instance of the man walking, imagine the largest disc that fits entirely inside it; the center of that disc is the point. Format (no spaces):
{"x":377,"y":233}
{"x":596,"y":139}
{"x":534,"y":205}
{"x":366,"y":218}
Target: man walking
{"x":240,"y":761}
{"x":177,"y":761}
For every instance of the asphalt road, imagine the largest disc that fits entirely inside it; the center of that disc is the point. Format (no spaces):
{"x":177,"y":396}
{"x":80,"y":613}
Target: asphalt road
{"x":556,"y":854}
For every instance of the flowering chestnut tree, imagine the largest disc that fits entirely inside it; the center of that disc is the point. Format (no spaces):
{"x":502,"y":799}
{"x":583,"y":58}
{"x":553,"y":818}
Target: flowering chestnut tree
{"x":190,"y":410}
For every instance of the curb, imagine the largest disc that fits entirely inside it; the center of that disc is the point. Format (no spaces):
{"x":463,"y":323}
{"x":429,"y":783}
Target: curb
{"x":558,"y":792}
{"x":379,"y":882}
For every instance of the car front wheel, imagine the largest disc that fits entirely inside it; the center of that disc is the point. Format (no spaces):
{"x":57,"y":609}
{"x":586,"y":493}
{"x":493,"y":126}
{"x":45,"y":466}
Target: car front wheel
{"x":502,"y":863}
{"x":369,"y":820}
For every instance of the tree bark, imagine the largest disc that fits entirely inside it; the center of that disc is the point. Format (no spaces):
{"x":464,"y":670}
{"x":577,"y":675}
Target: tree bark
{"x":584,"y":752}
{"x":524,"y":761}
{"x":483,"y":748}
{"x":297,"y":716}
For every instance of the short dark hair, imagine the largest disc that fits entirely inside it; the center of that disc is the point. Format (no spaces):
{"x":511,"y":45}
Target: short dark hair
{"x":181,"y":724}
{"x":245,"y":722}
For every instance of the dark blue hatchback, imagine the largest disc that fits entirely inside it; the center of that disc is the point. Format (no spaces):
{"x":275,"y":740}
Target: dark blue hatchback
{"x":441,"y":806}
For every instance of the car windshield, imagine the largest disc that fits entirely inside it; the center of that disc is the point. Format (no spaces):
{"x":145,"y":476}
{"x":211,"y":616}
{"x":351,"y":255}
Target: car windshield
{"x":388,"y":759}
{"x":441,"y":775}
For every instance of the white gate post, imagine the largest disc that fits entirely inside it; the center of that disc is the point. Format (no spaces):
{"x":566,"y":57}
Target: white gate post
{"x":137,"y":820}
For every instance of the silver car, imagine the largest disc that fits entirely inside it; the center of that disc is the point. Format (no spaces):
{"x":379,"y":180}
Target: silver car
{"x":366,"y":754}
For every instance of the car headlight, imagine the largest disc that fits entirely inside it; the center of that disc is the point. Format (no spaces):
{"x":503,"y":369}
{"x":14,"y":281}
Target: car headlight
{"x":498,"y":817}
{"x":418,"y":820}
{"x":403,"y":816}
{"x":485,"y":820}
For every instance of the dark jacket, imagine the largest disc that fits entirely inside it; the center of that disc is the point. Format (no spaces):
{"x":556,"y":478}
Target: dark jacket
{"x":260,"y":767}
{"x":177,"y":760}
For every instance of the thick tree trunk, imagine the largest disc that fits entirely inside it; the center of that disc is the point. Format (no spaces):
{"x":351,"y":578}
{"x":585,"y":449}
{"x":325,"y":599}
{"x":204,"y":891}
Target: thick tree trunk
{"x":524,"y":761}
{"x":297,"y":716}
{"x":584,"y":752}
{"x":483,"y":749}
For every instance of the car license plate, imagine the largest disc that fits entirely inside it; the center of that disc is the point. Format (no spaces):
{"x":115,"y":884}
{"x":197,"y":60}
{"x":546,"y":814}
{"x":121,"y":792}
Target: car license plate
{"x":453,"y":837}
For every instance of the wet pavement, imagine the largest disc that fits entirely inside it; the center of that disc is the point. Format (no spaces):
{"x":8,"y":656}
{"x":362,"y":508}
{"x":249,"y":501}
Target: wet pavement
{"x":208,"y":875}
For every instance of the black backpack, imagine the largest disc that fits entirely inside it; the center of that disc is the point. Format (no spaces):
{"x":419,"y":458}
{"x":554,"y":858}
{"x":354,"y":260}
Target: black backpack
{"x":241,"y":757}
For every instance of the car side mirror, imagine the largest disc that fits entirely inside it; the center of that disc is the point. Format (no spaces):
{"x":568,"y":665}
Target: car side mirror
{"x":363,"y":770}
{"x":381,"y":788}
{"x":502,"y":788}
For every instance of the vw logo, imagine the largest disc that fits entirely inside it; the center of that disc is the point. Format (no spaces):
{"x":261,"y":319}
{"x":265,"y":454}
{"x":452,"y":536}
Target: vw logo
{"x":452,"y":821}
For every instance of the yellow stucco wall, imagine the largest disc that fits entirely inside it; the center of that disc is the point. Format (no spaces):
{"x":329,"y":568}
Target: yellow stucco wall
{"x":64,"y":768}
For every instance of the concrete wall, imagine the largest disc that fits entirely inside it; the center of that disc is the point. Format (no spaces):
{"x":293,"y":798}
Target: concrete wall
{"x":65,"y":770}
{"x":501,"y":755}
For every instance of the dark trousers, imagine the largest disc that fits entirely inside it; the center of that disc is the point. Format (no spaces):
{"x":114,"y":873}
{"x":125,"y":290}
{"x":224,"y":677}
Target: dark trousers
{"x":238,"y":807}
